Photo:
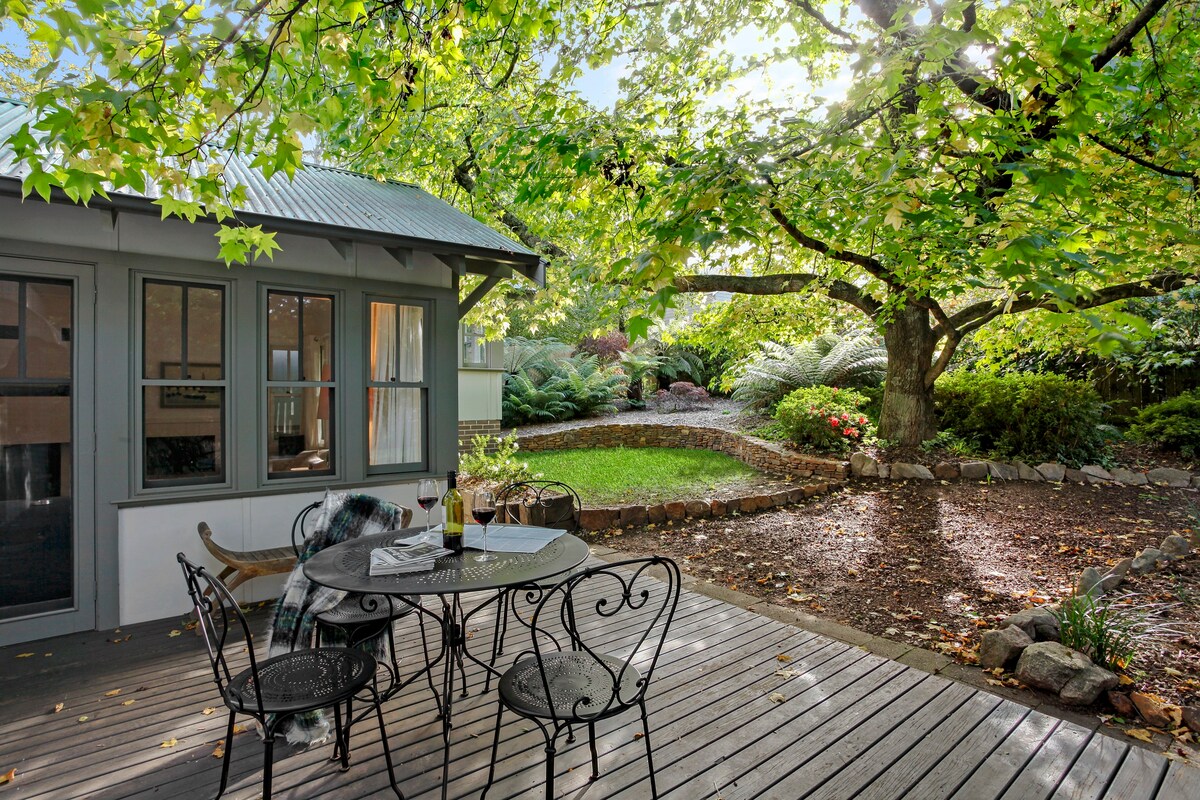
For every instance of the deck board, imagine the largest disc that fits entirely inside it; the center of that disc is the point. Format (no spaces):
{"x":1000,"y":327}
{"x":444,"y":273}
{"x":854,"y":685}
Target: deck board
{"x":850,"y":725}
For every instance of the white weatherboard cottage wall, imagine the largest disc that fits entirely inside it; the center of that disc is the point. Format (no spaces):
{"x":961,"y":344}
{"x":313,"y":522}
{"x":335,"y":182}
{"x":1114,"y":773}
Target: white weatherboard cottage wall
{"x":136,"y":534}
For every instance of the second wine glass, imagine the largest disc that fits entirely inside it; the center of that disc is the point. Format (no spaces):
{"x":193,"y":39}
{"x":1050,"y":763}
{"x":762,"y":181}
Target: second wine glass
{"x":427,"y":497}
{"x":484,"y":511}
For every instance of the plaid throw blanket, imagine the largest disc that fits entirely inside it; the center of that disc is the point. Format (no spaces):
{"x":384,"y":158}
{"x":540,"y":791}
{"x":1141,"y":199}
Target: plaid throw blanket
{"x":342,"y":516}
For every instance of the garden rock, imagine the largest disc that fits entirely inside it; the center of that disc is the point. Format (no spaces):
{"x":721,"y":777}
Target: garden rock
{"x":863,"y":465}
{"x":1005,"y":472}
{"x":1089,"y":579}
{"x":1027,"y":473}
{"x":1075,"y":476}
{"x":1122,"y":704}
{"x":945,"y":471}
{"x":885,"y":470}
{"x":1154,"y":711}
{"x":1175,"y":546}
{"x":903,"y":472}
{"x":1086,"y":686}
{"x":1050,"y":665}
{"x":974,"y":470}
{"x":598,"y":519}
{"x":1116,"y":575}
{"x":634,"y":515}
{"x":656,"y":513}
{"x":1038,"y":623}
{"x":1165,"y":476}
{"x":1097,"y":474}
{"x":720,"y":508}
{"x":1129,"y":477}
{"x":675,"y":509}
{"x":1001,"y":648}
{"x":1052,"y":472}
{"x":1191,"y":718}
{"x":1146,"y":561}
{"x":697,"y":508}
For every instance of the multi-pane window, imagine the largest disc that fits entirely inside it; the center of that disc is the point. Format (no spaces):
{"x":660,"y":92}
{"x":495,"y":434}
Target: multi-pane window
{"x":183,"y":383}
{"x":300,"y":384}
{"x":397,"y":386}
{"x":474,"y":348}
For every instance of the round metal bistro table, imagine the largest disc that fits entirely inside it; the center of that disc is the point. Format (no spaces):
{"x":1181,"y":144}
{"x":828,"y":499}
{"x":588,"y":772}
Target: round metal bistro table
{"x":346,"y":566}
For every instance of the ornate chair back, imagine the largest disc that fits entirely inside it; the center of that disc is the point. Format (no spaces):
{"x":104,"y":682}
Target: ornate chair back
{"x":549,"y":504}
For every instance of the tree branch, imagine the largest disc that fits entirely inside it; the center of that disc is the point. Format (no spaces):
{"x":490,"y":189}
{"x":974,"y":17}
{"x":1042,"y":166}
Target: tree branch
{"x":979,"y":314}
{"x":871,"y":265}
{"x":781,"y":283}
{"x":1125,"y":36}
{"x":1142,"y":162}
{"x":809,"y":9}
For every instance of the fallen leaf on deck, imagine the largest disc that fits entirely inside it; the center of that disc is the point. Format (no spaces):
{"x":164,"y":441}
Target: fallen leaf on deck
{"x":784,"y":657}
{"x":82,"y":719}
{"x":208,"y":711}
{"x":129,"y":702}
{"x":219,"y":750}
{"x":169,"y":743}
{"x":173,"y":633}
{"x":777,"y":697}
{"x":1141,"y":734}
{"x":59,"y":707}
{"x":789,"y":673}
{"x":113,"y":693}
{"x":9,"y":776}
{"x":638,"y":735}
{"x":24,"y":655}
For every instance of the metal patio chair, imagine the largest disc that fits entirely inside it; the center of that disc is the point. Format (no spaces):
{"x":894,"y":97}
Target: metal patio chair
{"x":275,"y":689}
{"x":558,"y":688}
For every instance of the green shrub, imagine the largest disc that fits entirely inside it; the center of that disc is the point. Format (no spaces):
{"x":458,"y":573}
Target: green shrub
{"x":1110,"y":630}
{"x":1028,"y":416}
{"x":824,"y":418}
{"x":494,"y":461}
{"x":1172,"y":424}
{"x":587,"y":386}
{"x":855,"y":360}
{"x":524,"y":402}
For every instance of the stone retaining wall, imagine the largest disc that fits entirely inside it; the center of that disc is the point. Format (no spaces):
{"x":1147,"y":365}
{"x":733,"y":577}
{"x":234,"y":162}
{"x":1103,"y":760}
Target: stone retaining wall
{"x":761,"y":455}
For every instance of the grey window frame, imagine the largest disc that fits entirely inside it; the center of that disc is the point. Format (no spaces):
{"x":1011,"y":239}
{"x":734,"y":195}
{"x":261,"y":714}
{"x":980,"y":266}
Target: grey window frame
{"x":470,"y":330}
{"x":140,"y":382}
{"x":424,"y":384}
{"x":334,"y":473}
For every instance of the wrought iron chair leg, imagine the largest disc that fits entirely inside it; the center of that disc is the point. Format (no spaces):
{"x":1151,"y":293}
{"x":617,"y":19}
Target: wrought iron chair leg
{"x":437,"y":699}
{"x":570,"y":734}
{"x":268,"y":752}
{"x":649,"y":752}
{"x":349,"y":722}
{"x":225,"y":758}
{"x":550,"y":772}
{"x":338,"y":749}
{"x":595,"y":757}
{"x":495,"y":750}
{"x":498,"y":632}
{"x":387,"y":750}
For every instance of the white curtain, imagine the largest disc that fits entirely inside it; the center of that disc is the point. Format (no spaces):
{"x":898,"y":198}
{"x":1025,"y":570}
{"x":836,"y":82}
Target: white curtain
{"x":395,"y":418}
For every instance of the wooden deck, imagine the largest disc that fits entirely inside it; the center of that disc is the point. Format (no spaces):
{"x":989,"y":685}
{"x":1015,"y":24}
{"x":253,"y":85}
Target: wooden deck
{"x":843,"y":724}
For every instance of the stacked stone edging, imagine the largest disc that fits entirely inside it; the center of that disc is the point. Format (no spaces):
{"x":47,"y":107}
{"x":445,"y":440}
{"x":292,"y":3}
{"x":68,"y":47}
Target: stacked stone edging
{"x":864,"y":466}
{"x":757,"y":453}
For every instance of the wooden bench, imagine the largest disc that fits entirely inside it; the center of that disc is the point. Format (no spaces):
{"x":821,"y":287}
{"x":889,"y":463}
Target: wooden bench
{"x":242,"y":565}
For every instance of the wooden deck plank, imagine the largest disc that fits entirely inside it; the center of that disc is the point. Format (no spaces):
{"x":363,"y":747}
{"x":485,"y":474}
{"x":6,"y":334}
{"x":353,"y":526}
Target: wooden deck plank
{"x":852,"y":725}
{"x":909,"y":750}
{"x":1093,"y":770}
{"x":1182,"y":782}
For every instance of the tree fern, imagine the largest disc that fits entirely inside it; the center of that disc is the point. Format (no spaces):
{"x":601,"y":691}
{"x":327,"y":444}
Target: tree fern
{"x":588,"y":385}
{"x":525,"y":402}
{"x":537,"y":359}
{"x":856,"y":360}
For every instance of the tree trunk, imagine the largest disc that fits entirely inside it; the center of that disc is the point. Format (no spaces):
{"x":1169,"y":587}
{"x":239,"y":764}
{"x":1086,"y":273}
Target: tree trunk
{"x":907,"y":416}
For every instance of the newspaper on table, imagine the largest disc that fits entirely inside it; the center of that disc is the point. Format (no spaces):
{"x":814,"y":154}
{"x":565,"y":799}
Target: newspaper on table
{"x":403,"y":557}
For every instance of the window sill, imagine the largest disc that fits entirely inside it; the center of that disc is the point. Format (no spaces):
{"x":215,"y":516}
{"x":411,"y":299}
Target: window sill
{"x":269,"y":491}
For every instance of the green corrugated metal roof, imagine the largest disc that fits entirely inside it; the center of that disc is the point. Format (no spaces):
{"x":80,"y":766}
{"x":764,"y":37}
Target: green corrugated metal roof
{"x":334,"y":199}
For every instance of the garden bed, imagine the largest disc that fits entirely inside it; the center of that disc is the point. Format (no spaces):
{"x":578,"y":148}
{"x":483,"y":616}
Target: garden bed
{"x":935,"y":565}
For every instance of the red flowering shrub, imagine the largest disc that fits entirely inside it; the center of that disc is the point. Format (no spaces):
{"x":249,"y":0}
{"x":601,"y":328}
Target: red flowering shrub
{"x":824,"y":418}
{"x":607,"y":346}
{"x":681,"y":396}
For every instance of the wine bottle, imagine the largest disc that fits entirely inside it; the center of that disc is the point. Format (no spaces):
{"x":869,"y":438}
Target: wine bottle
{"x":452,"y":508}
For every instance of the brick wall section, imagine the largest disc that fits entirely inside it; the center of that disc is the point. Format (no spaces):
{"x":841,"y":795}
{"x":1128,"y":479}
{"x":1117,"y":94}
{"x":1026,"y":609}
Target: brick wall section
{"x":469,"y":429}
{"x":761,"y":455}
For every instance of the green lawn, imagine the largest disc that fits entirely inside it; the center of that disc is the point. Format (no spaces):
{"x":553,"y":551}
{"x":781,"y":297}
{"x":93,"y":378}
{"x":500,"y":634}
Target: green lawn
{"x":615,"y":475}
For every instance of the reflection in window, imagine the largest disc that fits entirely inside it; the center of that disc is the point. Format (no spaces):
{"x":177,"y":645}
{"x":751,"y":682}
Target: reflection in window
{"x":396,"y":392}
{"x":183,"y":383}
{"x":474,"y":348}
{"x":300,"y":384}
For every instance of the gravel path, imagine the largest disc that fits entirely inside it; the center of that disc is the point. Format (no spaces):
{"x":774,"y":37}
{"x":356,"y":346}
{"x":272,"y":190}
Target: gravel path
{"x":723,"y":413}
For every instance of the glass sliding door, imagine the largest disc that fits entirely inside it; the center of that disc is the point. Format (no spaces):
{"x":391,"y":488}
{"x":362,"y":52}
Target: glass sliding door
{"x":38,"y":553}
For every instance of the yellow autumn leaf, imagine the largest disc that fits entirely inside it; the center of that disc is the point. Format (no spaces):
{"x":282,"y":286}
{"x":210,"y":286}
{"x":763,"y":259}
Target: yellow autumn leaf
{"x":59,"y":707}
{"x":169,"y":743}
{"x":894,"y":217}
{"x":24,"y":655}
{"x":783,"y":657}
{"x":777,"y":697}
{"x":129,"y":702}
{"x":1141,"y":734}
{"x":1125,"y":680}
{"x":9,"y":776}
{"x":208,"y":711}
{"x":219,"y":751}
{"x":113,"y":693}
{"x":82,"y":719}
{"x":173,"y":633}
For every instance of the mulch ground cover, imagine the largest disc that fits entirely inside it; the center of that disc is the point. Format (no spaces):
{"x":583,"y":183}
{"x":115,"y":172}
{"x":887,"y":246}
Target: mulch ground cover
{"x":934,"y":564}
